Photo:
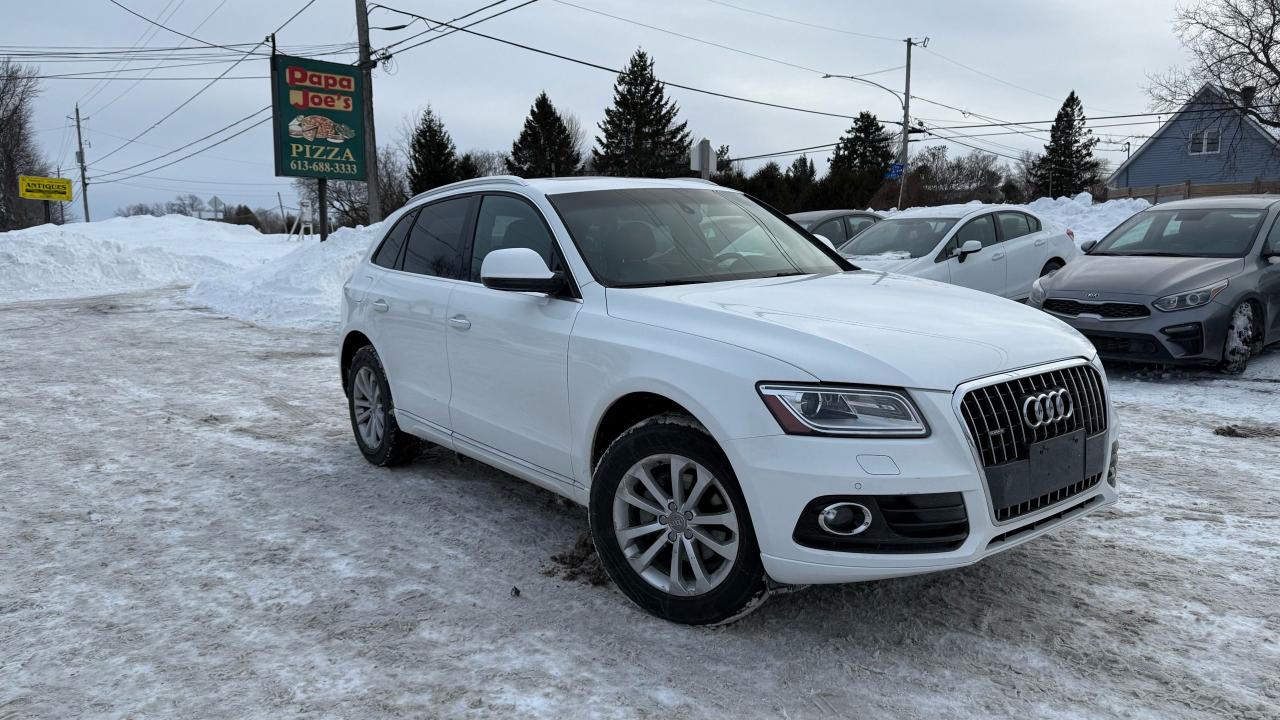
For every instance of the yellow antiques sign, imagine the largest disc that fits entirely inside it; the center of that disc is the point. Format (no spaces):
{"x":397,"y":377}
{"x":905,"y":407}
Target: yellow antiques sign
{"x":43,"y":188}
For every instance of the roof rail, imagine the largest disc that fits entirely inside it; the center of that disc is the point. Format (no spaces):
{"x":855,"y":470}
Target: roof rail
{"x":488,"y":180}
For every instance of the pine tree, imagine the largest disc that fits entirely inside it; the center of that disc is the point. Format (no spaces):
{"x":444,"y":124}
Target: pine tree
{"x":546,"y":147}
{"x":639,"y":134}
{"x":858,"y":164}
{"x":1067,"y":166}
{"x":802,"y":176}
{"x":433,"y":159}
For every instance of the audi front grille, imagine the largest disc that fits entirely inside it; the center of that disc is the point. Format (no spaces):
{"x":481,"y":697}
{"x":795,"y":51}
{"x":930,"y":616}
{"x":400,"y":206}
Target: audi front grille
{"x":1003,"y":423}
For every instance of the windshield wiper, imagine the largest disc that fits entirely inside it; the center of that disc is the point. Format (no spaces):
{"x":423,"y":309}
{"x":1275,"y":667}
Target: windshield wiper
{"x":1150,"y":254}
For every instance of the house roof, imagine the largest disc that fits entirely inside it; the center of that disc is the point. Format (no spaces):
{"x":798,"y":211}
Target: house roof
{"x":1270,"y":133}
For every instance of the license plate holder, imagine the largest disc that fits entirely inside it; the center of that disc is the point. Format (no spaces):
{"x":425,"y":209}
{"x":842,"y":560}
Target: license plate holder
{"x":1051,"y":465}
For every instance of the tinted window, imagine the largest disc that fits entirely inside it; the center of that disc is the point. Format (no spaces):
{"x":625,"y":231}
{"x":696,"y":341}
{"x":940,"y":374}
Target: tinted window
{"x":831,"y":230}
{"x":910,"y":237}
{"x":1217,"y":232}
{"x":1013,"y":225}
{"x":507,"y":222}
{"x":390,"y":250}
{"x":858,"y":223}
{"x":670,"y":236}
{"x":1273,"y":238}
{"x":436,"y":243}
{"x":982,"y":229}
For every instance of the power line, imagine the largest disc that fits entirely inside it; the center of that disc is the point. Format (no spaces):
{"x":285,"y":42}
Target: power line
{"x":614,"y":71}
{"x":805,"y":24}
{"x":141,"y":42}
{"x":431,"y":29}
{"x":250,"y":116}
{"x":178,"y":32}
{"x":464,"y":27}
{"x":189,"y":155}
{"x":151,"y":79}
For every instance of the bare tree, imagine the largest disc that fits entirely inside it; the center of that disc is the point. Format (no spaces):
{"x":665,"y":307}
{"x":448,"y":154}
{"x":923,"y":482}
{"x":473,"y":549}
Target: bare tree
{"x":349,"y":199}
{"x":19,"y":154}
{"x":1233,"y":45}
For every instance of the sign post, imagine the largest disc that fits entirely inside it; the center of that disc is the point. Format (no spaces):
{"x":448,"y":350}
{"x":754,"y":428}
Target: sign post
{"x":45,"y":189}
{"x":318,"y":123}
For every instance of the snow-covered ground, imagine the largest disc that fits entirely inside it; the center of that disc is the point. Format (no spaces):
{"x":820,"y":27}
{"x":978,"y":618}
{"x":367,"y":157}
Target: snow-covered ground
{"x":188,"y":531}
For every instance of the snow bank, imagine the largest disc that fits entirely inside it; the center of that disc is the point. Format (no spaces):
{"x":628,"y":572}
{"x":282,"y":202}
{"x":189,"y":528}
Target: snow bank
{"x":1089,"y":221}
{"x":126,"y":254}
{"x":300,"y":289}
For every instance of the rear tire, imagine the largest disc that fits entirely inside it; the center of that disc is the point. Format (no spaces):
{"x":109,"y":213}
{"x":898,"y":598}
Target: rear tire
{"x":1242,"y":339}
{"x":373,"y":417}
{"x":685,"y":550}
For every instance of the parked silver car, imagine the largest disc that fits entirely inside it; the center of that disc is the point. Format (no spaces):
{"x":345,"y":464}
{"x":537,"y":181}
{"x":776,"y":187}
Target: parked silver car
{"x":838,"y":226}
{"x":1188,"y":282}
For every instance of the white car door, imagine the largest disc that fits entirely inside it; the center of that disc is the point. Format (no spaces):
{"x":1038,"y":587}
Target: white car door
{"x":1026,"y":249}
{"x":508,"y":351}
{"x":984,"y":270}
{"x":413,"y":300}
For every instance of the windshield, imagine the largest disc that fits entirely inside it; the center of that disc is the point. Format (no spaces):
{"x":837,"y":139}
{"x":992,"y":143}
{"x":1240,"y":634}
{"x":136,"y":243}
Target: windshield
{"x":1219,"y":232}
{"x":671,"y":236}
{"x":899,"y":237}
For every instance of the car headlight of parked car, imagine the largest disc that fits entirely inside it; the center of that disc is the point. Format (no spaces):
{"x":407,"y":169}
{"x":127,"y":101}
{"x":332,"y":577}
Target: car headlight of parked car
{"x":1037,"y":293}
{"x":842,"y":410}
{"x":1194,"y":298}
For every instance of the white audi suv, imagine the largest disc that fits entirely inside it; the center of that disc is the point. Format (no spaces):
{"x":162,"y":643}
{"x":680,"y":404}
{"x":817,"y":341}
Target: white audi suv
{"x":735,"y":403}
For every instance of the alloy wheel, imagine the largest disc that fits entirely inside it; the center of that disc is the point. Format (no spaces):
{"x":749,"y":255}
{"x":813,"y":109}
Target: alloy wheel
{"x":676,"y":525}
{"x":366,"y":395}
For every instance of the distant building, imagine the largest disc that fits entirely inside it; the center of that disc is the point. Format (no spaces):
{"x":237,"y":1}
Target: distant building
{"x":1206,"y":142}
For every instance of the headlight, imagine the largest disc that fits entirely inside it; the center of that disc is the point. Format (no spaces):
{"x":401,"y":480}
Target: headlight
{"x":1037,"y":293}
{"x":1185,"y":300}
{"x":841,"y":410}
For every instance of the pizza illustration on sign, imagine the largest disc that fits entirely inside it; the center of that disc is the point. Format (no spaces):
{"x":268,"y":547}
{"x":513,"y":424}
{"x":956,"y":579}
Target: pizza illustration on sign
{"x":311,"y":127}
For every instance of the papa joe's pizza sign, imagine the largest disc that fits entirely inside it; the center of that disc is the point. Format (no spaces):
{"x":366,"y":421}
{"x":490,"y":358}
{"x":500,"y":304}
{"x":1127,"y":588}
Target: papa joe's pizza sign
{"x":318,"y":119}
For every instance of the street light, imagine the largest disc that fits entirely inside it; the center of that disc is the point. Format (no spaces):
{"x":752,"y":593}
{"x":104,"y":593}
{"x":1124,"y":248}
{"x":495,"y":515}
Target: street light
{"x":903,"y":102}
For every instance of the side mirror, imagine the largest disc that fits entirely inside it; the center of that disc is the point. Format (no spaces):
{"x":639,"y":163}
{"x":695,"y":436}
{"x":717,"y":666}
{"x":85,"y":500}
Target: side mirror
{"x":519,"y":270}
{"x":1273,"y":259}
{"x":1087,"y":245}
{"x":826,"y":241}
{"x":968,"y":248}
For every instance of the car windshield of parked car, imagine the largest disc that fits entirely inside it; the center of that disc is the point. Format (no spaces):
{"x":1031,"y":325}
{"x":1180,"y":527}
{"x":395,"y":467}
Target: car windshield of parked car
{"x":642,"y":237}
{"x":899,"y":238}
{"x":1217,"y":232}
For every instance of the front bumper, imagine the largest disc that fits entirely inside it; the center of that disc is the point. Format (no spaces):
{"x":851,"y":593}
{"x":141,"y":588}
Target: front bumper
{"x":1191,"y":337}
{"x":781,"y":474}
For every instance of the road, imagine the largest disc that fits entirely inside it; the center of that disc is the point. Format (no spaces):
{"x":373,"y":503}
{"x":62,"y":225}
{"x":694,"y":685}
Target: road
{"x":187,"y":530}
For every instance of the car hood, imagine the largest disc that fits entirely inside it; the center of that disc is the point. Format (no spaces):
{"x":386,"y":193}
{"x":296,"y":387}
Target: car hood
{"x":861,"y":326}
{"x":1141,"y":275}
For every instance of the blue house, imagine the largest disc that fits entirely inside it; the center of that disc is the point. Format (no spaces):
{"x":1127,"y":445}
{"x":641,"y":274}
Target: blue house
{"x":1208,"y":142}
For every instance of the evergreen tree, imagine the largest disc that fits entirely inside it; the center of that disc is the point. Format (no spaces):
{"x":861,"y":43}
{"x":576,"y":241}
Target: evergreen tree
{"x":433,"y":159}
{"x":546,"y":146}
{"x":468,"y":167}
{"x":1067,"y":166}
{"x":639,"y":134}
{"x":802,"y":176}
{"x":770,"y":184}
{"x":858,"y":164}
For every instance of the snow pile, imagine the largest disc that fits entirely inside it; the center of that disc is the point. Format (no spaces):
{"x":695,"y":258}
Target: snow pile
{"x":1089,"y":221}
{"x":126,"y":254}
{"x":301,"y":289}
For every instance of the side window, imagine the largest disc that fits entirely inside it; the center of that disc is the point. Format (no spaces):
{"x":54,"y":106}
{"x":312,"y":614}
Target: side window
{"x":1013,"y":225}
{"x":831,"y":230}
{"x":1273,"y":239}
{"x":387,"y":254}
{"x":1034,"y":223}
{"x":507,"y":222}
{"x":436,"y":243}
{"x":858,"y":223}
{"x":982,"y":229}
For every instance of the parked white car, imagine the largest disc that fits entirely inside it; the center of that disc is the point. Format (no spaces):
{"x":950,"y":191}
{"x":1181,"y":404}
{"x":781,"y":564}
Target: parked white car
{"x":733,"y":404}
{"x":999,"y":249}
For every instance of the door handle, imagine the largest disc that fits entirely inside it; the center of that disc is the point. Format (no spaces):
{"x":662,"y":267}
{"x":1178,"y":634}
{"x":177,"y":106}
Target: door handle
{"x":997,"y":256}
{"x":460,"y":322}
{"x":381,"y":305}
{"x":1041,"y":242}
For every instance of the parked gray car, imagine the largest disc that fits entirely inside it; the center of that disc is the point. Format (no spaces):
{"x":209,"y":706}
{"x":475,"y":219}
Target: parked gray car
{"x":1188,"y":282}
{"x":838,"y":226}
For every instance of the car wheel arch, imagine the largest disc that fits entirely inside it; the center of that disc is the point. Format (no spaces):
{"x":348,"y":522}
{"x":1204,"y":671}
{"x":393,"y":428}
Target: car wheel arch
{"x":629,"y":410}
{"x":351,"y":344}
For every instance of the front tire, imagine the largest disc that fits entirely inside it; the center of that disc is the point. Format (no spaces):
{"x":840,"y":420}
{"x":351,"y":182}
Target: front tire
{"x":671,"y":525}
{"x":1051,"y":267}
{"x":373,"y":417}
{"x":1242,"y":339}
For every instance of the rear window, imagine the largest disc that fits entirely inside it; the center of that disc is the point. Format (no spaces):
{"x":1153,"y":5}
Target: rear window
{"x":436,"y":242}
{"x":391,"y":245}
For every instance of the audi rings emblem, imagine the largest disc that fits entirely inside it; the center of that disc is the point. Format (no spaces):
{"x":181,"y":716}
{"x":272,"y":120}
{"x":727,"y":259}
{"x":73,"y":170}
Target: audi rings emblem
{"x":1047,"y":407}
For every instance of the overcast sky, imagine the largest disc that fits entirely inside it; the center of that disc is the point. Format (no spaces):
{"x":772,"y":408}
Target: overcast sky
{"x":1101,"y":48}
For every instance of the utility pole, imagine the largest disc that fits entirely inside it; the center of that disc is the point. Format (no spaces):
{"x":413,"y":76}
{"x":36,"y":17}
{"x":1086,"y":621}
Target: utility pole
{"x":906,"y":121}
{"x":84,"y":182}
{"x":366,"y":99}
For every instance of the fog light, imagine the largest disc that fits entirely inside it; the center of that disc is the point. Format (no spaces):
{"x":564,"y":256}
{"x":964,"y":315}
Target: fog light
{"x":1115,"y":461}
{"x":844,"y":518}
